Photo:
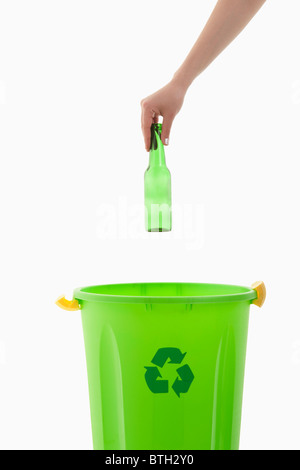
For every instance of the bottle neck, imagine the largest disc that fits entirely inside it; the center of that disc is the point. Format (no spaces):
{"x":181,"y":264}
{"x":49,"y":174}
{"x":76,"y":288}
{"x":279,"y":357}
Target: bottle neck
{"x":157,"y":152}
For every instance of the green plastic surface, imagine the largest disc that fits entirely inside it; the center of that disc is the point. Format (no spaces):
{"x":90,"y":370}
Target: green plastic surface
{"x":157,"y":185}
{"x":165,"y":364}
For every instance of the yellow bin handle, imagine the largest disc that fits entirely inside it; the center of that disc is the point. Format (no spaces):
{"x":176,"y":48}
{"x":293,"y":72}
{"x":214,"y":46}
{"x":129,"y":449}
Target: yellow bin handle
{"x":260,"y":289}
{"x":71,"y":305}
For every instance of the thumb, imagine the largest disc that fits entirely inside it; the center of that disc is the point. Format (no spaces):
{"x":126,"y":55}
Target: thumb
{"x":166,"y":129}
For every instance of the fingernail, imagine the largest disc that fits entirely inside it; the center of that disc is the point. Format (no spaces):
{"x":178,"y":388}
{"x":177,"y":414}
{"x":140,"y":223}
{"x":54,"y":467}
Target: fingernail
{"x":166,"y":141}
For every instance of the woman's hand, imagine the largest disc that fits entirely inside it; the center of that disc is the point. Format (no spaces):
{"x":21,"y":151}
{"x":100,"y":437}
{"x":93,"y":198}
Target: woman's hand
{"x":227,"y":20}
{"x":166,"y":102}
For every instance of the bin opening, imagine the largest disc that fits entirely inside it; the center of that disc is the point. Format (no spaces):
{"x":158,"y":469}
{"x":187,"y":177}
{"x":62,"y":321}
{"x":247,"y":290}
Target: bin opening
{"x":166,"y":292}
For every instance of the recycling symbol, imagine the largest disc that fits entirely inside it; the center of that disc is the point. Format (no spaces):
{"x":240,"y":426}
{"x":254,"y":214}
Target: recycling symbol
{"x":154,"y":379}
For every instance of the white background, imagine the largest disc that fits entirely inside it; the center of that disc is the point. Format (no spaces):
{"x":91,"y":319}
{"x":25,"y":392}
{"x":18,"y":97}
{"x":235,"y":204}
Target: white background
{"x":72,"y":74}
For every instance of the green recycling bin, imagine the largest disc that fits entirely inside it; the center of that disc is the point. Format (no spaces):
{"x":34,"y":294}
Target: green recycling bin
{"x":165,"y":363}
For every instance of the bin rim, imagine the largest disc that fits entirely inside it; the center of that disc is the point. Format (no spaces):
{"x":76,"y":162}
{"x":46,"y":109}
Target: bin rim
{"x":249,"y":294}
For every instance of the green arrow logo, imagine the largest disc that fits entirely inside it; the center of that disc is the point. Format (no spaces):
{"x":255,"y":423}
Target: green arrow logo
{"x":154,"y":378}
{"x":183,"y":384}
{"x":155,"y":385}
{"x":163,"y":354}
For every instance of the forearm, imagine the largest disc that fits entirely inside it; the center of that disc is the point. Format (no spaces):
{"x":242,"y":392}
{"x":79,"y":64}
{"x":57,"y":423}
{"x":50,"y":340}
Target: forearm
{"x":227,"y":20}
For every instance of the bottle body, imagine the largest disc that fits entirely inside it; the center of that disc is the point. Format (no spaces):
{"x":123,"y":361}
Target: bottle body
{"x":157,"y":184}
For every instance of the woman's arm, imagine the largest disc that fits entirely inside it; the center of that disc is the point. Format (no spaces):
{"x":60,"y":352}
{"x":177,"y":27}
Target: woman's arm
{"x":227,"y":20}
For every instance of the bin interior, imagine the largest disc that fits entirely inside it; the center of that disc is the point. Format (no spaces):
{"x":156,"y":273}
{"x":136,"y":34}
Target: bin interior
{"x":166,"y":290}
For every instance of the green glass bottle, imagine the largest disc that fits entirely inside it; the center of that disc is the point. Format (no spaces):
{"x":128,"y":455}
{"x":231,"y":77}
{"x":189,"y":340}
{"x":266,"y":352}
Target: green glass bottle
{"x":158,"y":206}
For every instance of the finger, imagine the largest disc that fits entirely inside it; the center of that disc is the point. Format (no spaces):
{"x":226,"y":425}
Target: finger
{"x":148,"y":117}
{"x":166,"y":129}
{"x":147,"y":134}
